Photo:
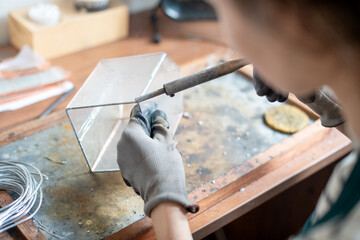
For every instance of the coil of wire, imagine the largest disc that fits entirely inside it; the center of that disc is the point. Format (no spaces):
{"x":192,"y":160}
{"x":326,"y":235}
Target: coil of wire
{"x":19,"y":178}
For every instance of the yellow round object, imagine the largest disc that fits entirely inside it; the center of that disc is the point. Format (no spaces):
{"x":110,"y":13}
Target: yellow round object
{"x":286,"y":118}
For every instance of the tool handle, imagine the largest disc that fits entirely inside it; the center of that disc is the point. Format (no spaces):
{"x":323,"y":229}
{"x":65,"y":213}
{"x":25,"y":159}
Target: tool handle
{"x":203,"y":76}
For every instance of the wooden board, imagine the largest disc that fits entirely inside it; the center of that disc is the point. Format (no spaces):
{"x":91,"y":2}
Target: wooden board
{"x":27,"y":229}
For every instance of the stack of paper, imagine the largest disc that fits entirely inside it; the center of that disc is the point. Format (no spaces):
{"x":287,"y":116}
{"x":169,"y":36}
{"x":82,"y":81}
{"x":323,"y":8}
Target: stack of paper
{"x":28,"y":78}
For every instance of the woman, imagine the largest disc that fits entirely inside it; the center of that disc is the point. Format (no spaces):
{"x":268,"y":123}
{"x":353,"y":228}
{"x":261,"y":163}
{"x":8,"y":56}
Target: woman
{"x":299,"y":46}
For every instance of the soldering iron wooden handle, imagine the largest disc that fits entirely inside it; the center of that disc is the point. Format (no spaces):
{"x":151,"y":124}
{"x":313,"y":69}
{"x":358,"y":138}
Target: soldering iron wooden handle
{"x":195,"y":79}
{"x":203,"y":76}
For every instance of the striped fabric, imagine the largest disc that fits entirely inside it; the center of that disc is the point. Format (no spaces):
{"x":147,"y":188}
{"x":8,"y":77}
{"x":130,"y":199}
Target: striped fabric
{"x":337,"y":214}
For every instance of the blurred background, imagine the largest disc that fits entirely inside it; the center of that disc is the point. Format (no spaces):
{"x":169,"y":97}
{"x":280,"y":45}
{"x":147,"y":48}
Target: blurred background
{"x":135,"y":6}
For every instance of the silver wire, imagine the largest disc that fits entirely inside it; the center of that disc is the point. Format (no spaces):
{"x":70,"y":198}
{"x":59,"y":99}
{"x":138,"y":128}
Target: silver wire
{"x":17,"y":177}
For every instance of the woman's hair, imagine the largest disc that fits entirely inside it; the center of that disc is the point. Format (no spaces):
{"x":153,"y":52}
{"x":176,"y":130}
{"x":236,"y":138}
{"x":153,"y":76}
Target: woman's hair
{"x":334,"y":22}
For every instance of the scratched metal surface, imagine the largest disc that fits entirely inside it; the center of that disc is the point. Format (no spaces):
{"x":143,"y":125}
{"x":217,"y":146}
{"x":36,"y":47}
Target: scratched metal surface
{"x":225,"y":128}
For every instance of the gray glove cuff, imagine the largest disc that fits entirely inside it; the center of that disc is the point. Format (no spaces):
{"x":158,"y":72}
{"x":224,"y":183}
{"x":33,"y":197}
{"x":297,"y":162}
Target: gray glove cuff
{"x":170,"y":197}
{"x":166,"y":188}
{"x":327,"y":108}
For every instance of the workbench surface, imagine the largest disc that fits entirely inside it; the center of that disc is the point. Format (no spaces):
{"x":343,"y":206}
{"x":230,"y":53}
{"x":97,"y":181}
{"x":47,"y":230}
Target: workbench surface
{"x":223,"y":128}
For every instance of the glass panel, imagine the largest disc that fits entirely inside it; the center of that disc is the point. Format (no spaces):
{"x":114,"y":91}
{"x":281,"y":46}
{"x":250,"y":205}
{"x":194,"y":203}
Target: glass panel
{"x":100,"y":110}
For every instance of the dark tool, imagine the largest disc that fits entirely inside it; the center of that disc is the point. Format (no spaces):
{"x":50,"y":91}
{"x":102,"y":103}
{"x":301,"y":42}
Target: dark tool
{"x":56,"y":103}
{"x":181,"y":10}
{"x":195,"y":79}
{"x":154,"y":22}
{"x":188,"y":10}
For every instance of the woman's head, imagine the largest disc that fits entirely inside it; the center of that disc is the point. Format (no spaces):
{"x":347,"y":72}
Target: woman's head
{"x":296,"y":45}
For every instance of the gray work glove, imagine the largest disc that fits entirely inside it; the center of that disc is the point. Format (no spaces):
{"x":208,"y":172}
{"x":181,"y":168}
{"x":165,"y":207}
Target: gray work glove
{"x":325,"y":105}
{"x":263,"y":90}
{"x":323,"y":102}
{"x":149,"y":161}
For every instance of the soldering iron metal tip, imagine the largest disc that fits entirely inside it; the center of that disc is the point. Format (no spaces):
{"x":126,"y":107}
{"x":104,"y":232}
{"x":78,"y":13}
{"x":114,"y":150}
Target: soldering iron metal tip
{"x":138,"y":103}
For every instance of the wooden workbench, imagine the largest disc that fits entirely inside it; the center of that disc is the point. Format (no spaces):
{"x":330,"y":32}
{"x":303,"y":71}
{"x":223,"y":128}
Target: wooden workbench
{"x":231,"y":193}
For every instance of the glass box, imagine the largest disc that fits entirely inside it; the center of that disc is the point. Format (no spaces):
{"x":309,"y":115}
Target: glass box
{"x":100,"y":109}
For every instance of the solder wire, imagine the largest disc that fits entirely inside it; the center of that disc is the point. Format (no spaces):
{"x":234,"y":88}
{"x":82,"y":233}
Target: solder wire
{"x":27,"y":196}
{"x":16,"y":177}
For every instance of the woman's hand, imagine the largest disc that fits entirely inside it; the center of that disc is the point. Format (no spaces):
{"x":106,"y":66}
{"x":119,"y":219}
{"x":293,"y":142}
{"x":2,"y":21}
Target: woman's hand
{"x":149,"y":161}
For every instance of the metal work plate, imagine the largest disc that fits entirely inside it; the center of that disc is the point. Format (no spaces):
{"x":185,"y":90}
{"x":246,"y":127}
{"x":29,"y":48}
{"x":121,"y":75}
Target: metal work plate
{"x":222,"y":128}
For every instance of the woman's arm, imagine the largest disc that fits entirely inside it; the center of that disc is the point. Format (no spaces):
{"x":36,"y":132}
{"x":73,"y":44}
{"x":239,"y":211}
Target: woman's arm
{"x":151,"y":164}
{"x":170,"y":221}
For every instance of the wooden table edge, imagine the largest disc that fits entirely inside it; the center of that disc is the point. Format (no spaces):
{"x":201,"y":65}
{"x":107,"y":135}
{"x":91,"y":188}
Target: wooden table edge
{"x":29,"y":128}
